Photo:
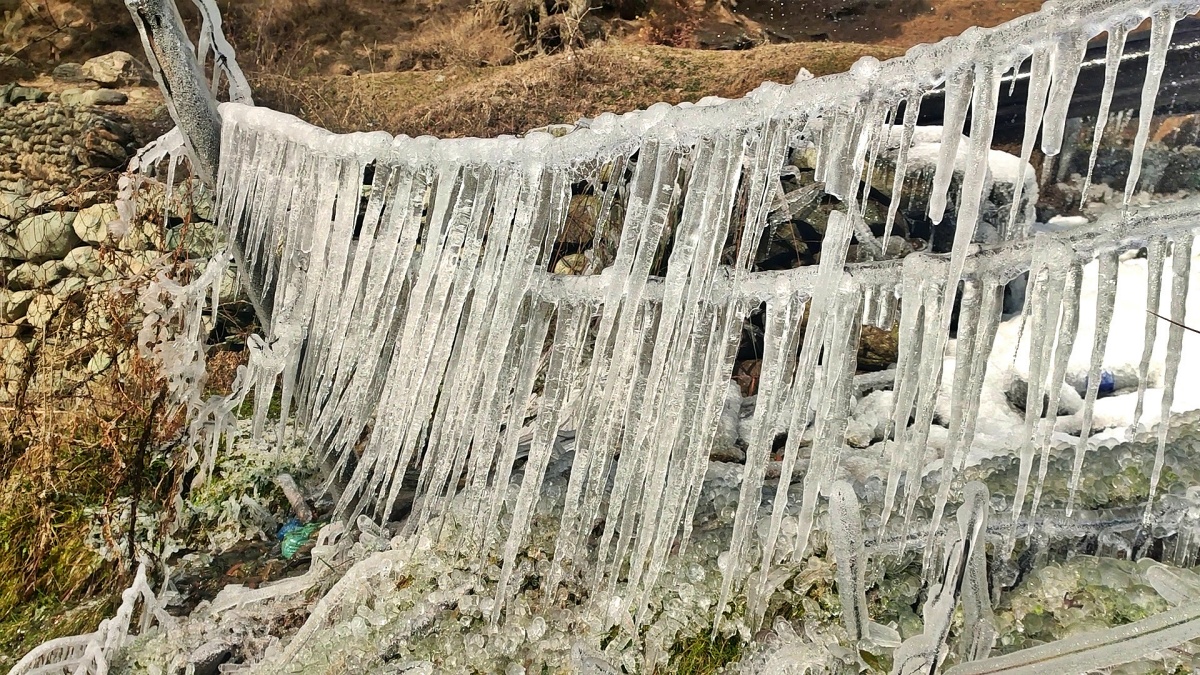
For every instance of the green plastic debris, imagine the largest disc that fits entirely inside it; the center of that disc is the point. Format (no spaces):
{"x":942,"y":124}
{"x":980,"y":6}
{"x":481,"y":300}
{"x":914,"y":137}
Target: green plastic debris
{"x":296,"y":538}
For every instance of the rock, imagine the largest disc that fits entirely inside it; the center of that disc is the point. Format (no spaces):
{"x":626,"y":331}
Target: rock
{"x":92,"y":97}
{"x":878,"y":349}
{"x":1069,"y":401}
{"x":83,"y":261}
{"x":68,"y":287}
{"x":107,"y":143}
{"x":12,"y":94}
{"x":91,"y":224}
{"x":12,"y":205}
{"x":32,"y":275}
{"x":557,"y":131}
{"x":200,"y":239}
{"x":725,"y":445}
{"x":72,"y":97}
{"x":859,"y":434}
{"x":68,"y":72}
{"x":142,"y":235}
{"x":1004,"y":171}
{"x":208,"y":657}
{"x":105,"y":97}
{"x":13,"y":351}
{"x":118,"y":68}
{"x":46,"y":236}
{"x":42,"y":310}
{"x":573,"y":264}
{"x":13,"y":68}
{"x":14,"y":304}
{"x":1183,"y":171}
{"x":100,"y":362}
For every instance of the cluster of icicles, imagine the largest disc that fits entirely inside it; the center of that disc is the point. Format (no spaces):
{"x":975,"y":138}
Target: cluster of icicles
{"x":411,"y":306}
{"x":414,"y":322}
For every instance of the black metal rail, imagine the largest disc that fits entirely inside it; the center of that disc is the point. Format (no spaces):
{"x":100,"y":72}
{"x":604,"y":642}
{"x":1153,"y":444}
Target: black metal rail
{"x":1179,"y":92}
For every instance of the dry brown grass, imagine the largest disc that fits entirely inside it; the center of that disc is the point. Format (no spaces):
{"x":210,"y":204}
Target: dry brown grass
{"x":472,"y":39}
{"x":85,"y":438}
{"x":487,"y":102}
{"x":675,"y":26}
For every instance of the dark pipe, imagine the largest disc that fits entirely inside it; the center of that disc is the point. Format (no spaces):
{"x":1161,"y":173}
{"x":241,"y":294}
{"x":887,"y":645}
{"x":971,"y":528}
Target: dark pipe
{"x":1178,"y":94}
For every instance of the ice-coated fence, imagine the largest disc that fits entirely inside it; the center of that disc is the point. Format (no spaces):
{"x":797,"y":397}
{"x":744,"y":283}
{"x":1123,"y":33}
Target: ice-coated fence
{"x":423,"y":333}
{"x":416,"y":313}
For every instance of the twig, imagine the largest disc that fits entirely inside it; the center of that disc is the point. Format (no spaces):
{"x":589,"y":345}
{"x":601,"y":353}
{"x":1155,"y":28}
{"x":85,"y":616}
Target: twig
{"x":1173,"y":322}
{"x":139,"y":460}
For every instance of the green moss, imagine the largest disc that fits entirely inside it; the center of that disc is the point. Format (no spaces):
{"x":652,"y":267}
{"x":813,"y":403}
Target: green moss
{"x":704,"y":654}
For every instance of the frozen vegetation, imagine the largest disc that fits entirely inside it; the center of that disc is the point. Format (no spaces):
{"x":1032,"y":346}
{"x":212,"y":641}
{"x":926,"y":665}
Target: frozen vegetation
{"x":518,"y":460}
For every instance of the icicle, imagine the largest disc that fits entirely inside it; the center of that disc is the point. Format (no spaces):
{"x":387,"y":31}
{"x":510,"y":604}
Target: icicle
{"x":977,"y":323}
{"x":1106,"y":296}
{"x":1035,"y":106}
{"x":1095,"y":650}
{"x":959,"y":85}
{"x":1065,"y":332}
{"x":924,"y":653}
{"x":1161,"y":27}
{"x":1047,"y":278}
{"x":922,"y":277}
{"x":847,"y":539}
{"x":564,"y":360}
{"x":1156,"y":253}
{"x":1068,"y":54}
{"x":1181,"y":267}
{"x":979,"y":631}
{"x":783,"y":320}
{"x":912,"y":108}
{"x":832,"y":407}
{"x":1112,"y":61}
{"x":823,"y":304}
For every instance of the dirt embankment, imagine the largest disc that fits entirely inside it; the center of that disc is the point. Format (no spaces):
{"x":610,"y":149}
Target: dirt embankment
{"x":487,"y":67}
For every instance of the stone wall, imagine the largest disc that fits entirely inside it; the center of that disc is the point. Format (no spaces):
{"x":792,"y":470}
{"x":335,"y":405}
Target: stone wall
{"x":46,"y":144}
{"x":71,"y":271}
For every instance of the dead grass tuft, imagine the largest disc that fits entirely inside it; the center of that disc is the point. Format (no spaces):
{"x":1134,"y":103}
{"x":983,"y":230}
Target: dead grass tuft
{"x":673,"y":27}
{"x":473,"y":39}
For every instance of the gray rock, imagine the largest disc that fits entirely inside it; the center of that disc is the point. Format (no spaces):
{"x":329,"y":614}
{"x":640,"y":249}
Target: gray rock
{"x":15,"y":206}
{"x":100,"y":362}
{"x":117,"y":68}
{"x":83,"y":261}
{"x":12,"y":94}
{"x":725,"y":445}
{"x":12,"y":205}
{"x":142,"y":235}
{"x":1069,"y":401}
{"x":200,"y":239}
{"x":68,"y":72}
{"x":92,"y":97}
{"x":1183,"y":171}
{"x":72,"y":97}
{"x":67,"y":287}
{"x":12,"y":68}
{"x":105,"y":97}
{"x":208,"y":657}
{"x":14,"y":304}
{"x":32,"y":275}
{"x":13,"y":351}
{"x":46,"y":236}
{"x":91,"y":224}
{"x":42,"y":310}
